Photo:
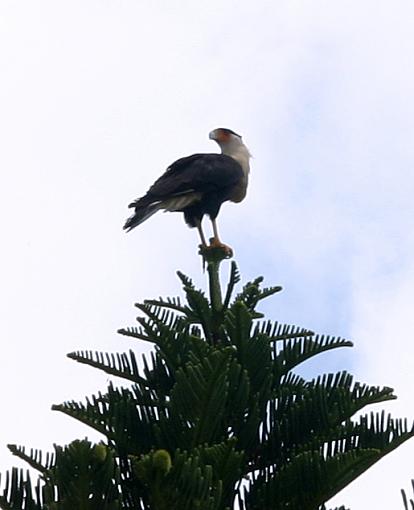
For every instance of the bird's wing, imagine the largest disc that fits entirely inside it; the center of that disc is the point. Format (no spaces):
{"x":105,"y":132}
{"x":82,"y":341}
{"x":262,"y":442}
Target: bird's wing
{"x":198,"y":173}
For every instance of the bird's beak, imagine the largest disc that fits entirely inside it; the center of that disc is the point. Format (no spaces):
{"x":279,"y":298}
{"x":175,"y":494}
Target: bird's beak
{"x":212,"y":135}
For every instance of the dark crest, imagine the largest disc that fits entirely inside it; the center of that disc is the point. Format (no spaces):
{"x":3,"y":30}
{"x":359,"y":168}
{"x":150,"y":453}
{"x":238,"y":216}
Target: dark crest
{"x":230,"y":131}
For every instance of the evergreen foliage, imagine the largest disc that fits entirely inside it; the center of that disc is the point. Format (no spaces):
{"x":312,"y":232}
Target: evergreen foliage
{"x":408,"y":503}
{"x":215,"y":418}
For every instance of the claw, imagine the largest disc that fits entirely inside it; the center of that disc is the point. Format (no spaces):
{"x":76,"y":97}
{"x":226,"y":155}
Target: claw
{"x":216,"y":244}
{"x":215,"y":250}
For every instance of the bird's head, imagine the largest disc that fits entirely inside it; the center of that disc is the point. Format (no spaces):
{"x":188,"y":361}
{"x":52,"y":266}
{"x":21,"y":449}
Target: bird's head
{"x":226,"y":138}
{"x":232,"y":145}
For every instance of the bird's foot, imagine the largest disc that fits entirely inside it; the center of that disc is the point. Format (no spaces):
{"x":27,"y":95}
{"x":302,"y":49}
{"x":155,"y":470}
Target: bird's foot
{"x":216,"y":244}
{"x":216,"y":250}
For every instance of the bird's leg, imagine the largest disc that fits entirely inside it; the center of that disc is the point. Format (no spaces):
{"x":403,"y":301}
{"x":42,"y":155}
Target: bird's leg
{"x":216,"y":243}
{"x":200,"y":231}
{"x":203,"y":246}
{"x":216,"y":238}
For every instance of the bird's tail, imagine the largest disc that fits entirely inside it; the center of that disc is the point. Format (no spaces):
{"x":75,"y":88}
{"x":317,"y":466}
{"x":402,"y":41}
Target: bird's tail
{"x":142,"y":213}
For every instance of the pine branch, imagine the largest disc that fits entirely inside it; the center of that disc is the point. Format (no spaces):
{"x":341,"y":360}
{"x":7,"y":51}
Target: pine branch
{"x":134,"y":333}
{"x":233,"y":281}
{"x":298,"y":350}
{"x":185,"y":280}
{"x":171,"y":303}
{"x":320,"y":479}
{"x":252,"y":294}
{"x":34,"y":458}
{"x":277,"y":332}
{"x":199,"y":397}
{"x":18,"y":492}
{"x":118,"y":364}
{"x":408,"y":504}
{"x":201,"y":311}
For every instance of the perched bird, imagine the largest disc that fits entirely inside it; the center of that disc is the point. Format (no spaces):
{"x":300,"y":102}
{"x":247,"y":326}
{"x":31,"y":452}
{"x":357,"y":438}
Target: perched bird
{"x":197,"y":185}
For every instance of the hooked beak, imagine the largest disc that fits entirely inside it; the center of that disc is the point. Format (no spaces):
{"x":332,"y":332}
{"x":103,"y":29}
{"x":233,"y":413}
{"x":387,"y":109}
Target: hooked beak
{"x":213,"y":135}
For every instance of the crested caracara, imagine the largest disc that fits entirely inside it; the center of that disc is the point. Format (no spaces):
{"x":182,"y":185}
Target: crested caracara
{"x":197,"y":185}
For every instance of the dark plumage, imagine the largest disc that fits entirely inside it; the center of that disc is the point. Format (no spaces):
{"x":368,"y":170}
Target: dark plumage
{"x":197,"y":185}
{"x":211,"y":177}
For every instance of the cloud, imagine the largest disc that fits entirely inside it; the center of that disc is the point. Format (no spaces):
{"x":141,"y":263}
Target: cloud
{"x":101,"y":98}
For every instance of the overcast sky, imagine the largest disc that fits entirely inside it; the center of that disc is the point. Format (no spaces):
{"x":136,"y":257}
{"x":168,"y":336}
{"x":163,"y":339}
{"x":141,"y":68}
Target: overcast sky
{"x":98,"y":97}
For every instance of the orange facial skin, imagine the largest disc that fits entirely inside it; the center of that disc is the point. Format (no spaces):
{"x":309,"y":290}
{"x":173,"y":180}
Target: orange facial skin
{"x":222,"y":135}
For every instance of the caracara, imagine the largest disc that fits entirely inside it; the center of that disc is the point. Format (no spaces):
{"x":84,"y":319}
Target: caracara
{"x":197,"y":185}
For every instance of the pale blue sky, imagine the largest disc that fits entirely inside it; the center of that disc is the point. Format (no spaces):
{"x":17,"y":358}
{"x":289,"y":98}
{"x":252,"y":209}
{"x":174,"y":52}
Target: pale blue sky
{"x":98,"y":97}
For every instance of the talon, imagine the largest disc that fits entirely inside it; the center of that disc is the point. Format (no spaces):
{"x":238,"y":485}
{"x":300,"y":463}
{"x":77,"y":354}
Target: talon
{"x":215,"y":251}
{"x":218,"y":245}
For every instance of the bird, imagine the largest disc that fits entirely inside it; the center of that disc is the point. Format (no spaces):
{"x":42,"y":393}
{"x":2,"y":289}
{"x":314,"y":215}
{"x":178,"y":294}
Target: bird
{"x":197,"y":185}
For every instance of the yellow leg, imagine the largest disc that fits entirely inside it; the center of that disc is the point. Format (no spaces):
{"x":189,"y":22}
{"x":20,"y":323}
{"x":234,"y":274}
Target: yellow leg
{"x":216,"y":243}
{"x":200,"y":231}
{"x":215,"y":231}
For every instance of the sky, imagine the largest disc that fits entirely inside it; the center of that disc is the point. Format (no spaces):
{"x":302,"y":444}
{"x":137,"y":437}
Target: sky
{"x":99,"y":97}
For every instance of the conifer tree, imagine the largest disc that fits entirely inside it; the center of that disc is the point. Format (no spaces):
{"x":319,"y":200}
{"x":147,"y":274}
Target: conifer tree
{"x":215,"y":418}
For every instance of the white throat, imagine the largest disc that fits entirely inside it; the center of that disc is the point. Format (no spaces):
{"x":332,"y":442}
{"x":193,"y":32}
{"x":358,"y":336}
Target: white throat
{"x":240,"y":153}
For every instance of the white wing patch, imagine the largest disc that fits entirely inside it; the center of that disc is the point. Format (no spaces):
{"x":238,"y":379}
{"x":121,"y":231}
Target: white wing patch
{"x":181,"y":201}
